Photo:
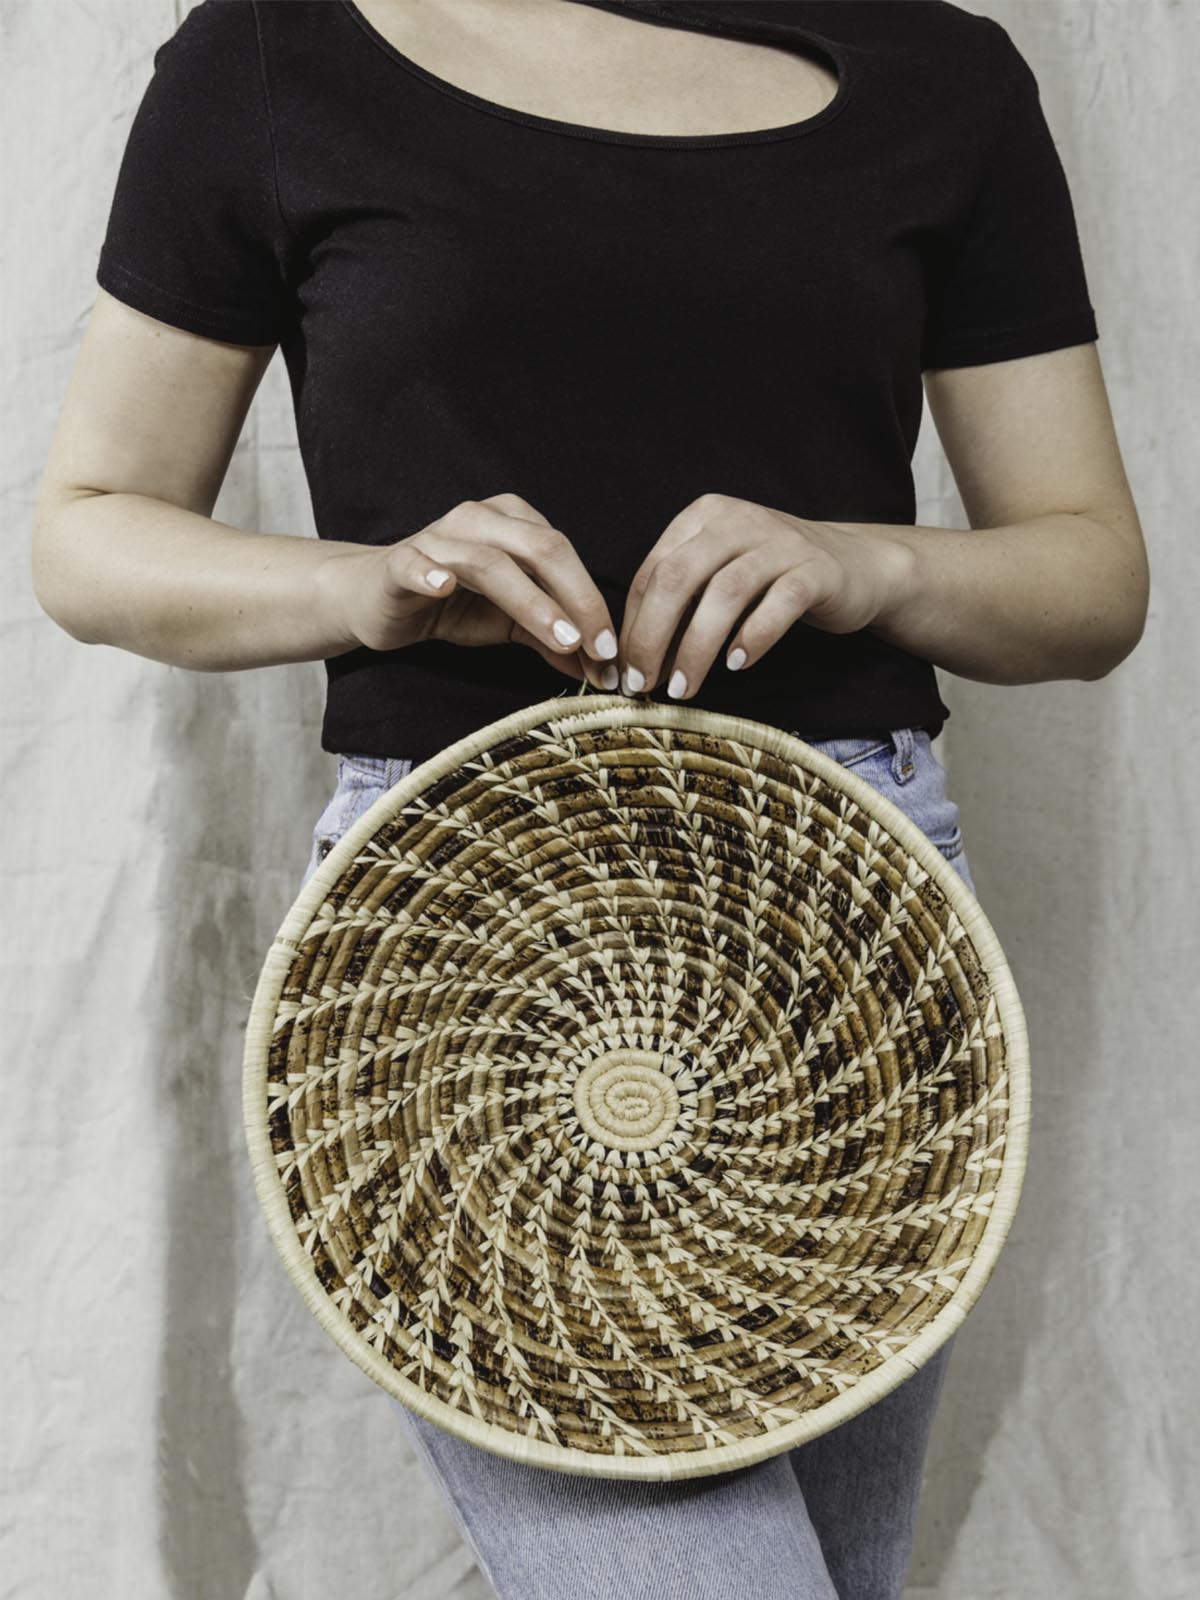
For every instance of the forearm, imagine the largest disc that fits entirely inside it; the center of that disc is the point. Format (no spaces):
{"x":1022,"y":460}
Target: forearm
{"x":161,"y":581}
{"x":1058,"y":596}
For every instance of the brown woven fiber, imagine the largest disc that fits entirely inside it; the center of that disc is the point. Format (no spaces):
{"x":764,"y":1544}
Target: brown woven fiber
{"x":635,"y":1091}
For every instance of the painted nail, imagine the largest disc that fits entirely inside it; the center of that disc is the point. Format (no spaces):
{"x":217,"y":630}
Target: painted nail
{"x":632,"y":680}
{"x":610,"y":677}
{"x":677,"y":685}
{"x":735,"y":659}
{"x":436,"y":577}
{"x":606,"y":645}
{"x":566,"y":632}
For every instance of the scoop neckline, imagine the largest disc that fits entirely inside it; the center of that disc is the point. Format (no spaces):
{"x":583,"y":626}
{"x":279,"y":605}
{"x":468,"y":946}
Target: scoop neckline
{"x":836,"y":55}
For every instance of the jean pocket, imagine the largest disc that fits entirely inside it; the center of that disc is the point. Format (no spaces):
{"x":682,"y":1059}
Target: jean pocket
{"x":922,"y":796}
{"x":355,"y":794}
{"x":851,"y":752}
{"x":363,"y":769}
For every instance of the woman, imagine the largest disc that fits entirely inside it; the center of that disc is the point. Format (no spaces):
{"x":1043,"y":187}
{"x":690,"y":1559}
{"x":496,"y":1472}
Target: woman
{"x":608,"y":326}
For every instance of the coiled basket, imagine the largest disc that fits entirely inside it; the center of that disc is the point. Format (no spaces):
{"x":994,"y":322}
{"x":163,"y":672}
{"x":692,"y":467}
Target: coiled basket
{"x":635,"y":1091}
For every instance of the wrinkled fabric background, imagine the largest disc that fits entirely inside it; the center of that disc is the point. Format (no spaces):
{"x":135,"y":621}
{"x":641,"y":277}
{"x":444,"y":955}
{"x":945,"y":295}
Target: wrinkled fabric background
{"x":176,"y":1423}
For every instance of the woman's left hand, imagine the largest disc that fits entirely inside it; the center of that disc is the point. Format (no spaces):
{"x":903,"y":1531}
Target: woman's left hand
{"x":728,"y":571}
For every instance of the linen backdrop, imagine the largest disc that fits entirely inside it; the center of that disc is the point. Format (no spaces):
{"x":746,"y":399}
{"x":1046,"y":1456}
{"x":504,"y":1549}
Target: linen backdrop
{"x":176,"y":1423}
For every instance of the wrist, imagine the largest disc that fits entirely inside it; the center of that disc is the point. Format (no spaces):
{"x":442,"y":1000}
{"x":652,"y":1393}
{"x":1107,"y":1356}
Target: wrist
{"x":331,"y":583}
{"x":901,"y":583}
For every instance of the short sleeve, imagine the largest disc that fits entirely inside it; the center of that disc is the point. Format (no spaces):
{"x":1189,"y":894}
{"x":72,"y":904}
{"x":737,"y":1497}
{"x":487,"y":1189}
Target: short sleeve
{"x":195,"y":235}
{"x":1008,"y":279}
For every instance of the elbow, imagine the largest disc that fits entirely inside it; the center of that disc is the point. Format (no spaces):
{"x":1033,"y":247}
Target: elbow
{"x":1117,"y":633}
{"x":53,"y":589}
{"x":1123,"y":634}
{"x":75,"y":627}
{"x":1116,"y":649}
{"x":60,"y":610}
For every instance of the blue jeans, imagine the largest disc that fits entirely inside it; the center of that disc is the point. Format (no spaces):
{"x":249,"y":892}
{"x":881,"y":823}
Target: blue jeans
{"x":832,"y":1519}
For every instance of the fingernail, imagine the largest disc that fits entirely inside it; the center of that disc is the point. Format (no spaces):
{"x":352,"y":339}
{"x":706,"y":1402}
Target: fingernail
{"x":632,"y":680}
{"x":735,"y":659}
{"x":610,"y":677}
{"x":436,"y":577}
{"x":677,"y":685}
{"x":606,"y":645}
{"x":566,"y":632}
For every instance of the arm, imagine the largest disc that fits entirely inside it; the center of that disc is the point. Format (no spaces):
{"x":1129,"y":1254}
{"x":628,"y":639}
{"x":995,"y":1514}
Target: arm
{"x":1055,"y":584}
{"x":196,"y":291}
{"x":1054,"y":581}
{"x":125,"y":552}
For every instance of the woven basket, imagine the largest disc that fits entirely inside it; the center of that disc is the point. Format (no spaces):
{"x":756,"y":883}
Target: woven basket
{"x":634,"y":1091}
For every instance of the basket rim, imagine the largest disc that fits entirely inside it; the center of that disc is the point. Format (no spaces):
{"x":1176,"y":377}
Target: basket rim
{"x":614,"y":710}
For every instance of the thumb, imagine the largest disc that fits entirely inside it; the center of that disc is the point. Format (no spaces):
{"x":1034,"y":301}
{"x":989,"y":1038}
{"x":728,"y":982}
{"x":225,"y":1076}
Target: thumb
{"x":568,"y":664}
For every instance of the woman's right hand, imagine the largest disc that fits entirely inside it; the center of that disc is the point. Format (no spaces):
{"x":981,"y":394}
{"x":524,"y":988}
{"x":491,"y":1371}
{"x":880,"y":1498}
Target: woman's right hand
{"x":510,"y":578}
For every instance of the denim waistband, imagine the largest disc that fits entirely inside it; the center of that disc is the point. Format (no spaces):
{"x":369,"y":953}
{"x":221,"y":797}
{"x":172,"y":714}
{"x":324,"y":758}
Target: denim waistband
{"x":906,"y":744}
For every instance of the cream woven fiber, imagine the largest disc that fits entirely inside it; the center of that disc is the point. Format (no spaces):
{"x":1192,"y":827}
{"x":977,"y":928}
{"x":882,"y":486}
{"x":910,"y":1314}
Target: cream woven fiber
{"x":635,"y":1091}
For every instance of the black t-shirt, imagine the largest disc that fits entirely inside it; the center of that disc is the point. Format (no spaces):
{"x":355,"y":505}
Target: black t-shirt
{"x":471,"y":299}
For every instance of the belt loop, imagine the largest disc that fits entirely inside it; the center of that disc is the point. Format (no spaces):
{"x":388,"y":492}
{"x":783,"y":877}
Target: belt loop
{"x":903,"y":765}
{"x":397,"y":767}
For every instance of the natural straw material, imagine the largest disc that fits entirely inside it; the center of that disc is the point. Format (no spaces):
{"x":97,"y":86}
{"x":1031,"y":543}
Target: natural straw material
{"x":635,"y":1091}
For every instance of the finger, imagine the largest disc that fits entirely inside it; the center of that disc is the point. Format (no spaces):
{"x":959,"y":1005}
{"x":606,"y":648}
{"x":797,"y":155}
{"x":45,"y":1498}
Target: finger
{"x":514,"y":505}
{"x":683,"y":526}
{"x":486,"y":569}
{"x":675,"y":583}
{"x":413,"y":571}
{"x":551,"y":560}
{"x":793,"y":592}
{"x":572,"y":665}
{"x":728,"y":597}
{"x":600,"y":674}
{"x":600,"y":677}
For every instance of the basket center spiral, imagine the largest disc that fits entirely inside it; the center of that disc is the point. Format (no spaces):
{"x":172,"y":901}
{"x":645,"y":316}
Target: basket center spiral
{"x":626,"y":1100}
